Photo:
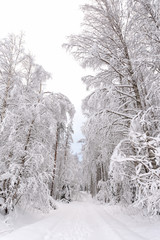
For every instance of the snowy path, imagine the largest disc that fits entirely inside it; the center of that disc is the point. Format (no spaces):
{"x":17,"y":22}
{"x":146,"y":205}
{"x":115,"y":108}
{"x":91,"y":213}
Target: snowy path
{"x":76,"y":221}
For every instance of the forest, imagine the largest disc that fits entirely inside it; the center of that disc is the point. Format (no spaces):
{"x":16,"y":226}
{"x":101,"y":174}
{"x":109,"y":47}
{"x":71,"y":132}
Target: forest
{"x":120,"y":42}
{"x":35,"y":133}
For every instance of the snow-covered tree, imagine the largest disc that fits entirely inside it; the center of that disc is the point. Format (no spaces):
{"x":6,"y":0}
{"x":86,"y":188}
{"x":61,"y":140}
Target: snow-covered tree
{"x":103,"y":45}
{"x":120,"y":40}
{"x":28,"y":129}
{"x":135,"y":162}
{"x":11,"y":60}
{"x":139,"y":167}
{"x":62,"y":145}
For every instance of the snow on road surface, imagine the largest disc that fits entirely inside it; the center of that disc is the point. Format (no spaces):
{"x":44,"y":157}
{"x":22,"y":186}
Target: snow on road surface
{"x":81,"y":221}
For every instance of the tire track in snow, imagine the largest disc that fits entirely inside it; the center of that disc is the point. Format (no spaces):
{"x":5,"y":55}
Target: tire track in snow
{"x":81,"y":222}
{"x":69,"y":228}
{"x":119,"y":227}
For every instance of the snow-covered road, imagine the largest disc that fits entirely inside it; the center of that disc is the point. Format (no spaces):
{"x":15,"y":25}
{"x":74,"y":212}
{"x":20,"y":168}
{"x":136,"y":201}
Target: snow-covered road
{"x":77,"y":221}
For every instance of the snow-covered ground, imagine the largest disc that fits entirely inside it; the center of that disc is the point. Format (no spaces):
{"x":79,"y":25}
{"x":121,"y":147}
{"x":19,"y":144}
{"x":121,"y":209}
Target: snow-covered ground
{"x":84,"y":220}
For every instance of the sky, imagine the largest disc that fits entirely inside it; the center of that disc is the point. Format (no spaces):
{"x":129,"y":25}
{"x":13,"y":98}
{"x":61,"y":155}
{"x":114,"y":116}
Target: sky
{"x":46,"y":24}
